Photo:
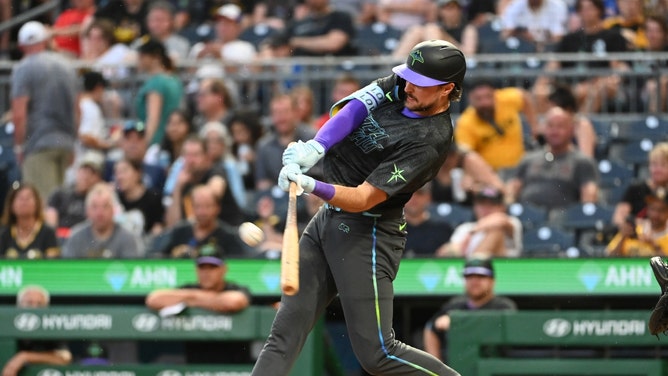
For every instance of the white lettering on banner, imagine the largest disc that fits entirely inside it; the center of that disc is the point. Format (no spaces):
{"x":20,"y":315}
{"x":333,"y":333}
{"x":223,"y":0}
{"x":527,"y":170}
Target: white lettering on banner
{"x":153,"y":276}
{"x":99,"y":373}
{"x":453,"y":277}
{"x":196,"y":323}
{"x":77,"y":322}
{"x":49,"y":372}
{"x":609,"y":327}
{"x":11,"y":276}
{"x":628,"y":276}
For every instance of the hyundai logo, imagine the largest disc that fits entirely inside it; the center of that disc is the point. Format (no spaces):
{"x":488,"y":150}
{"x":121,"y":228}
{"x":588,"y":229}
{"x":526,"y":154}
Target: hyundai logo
{"x":145,"y":322}
{"x":27,"y":322}
{"x":557,"y":328}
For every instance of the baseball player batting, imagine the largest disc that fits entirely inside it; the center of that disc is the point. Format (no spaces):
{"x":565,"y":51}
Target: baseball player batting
{"x":385,"y":142}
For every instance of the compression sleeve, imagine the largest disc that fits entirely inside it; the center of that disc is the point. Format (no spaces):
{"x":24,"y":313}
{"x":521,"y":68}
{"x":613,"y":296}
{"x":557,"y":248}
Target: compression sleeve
{"x":345,"y":121}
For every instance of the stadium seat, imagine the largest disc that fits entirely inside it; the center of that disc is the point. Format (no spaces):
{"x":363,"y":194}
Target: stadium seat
{"x":613,"y":174}
{"x":635,"y":153}
{"x":454,"y":214}
{"x":612,"y":195}
{"x":603,"y":131}
{"x":647,"y":127}
{"x":589,"y":216}
{"x":531,"y":216}
{"x":376,"y":39}
{"x":548,"y":241}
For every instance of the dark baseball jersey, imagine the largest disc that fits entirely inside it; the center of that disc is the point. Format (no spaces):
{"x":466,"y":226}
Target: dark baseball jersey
{"x":398,"y":157}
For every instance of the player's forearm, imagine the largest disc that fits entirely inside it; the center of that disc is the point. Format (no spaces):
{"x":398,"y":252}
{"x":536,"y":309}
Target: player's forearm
{"x":224,"y":302}
{"x":357,"y":199}
{"x":329,"y":43}
{"x":160,"y":299}
{"x":432,"y":344}
{"x":56,"y":357}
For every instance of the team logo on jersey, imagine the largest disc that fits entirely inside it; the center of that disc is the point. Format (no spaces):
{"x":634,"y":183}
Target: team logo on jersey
{"x":416,"y":56}
{"x":368,"y":136}
{"x":397,"y":174}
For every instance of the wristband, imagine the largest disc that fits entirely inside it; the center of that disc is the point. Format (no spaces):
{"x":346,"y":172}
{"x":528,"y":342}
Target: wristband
{"x":324,"y":190}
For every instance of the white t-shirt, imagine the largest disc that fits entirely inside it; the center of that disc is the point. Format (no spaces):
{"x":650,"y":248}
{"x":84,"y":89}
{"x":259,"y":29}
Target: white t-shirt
{"x":92,"y":123}
{"x":513,"y":244}
{"x":550,"y":18}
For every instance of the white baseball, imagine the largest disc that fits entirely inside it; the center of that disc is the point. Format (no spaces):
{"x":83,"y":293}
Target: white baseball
{"x":251,"y":234}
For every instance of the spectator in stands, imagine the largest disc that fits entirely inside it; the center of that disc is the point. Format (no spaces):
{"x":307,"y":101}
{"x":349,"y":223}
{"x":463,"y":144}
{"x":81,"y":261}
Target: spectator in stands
{"x":94,"y":136}
{"x":304,"y":104}
{"x":654,"y":93}
{"x":162,"y":91}
{"x":142,"y":207}
{"x":562,"y":96}
{"x":187,"y":237}
{"x":36,"y":351}
{"x":133,"y":148}
{"x":491,"y":125}
{"x":219,"y":149}
{"x":179,"y":127}
{"x":450,"y":26}
{"x":226,"y":45}
{"x":160,"y":25}
{"x":557,"y":175}
{"x":646,"y":236}
{"x":401,"y":14}
{"x":323,"y":31}
{"x":99,"y":46}
{"x":66,"y":206}
{"x":542,"y":22}
{"x":43,"y":94}
{"x":633,"y":201}
{"x":363,"y":12}
{"x":461,"y":174}
{"x":214,"y":102}
{"x":199,"y":169}
{"x":592,"y":93}
{"x":100,"y":236}
{"x":425,"y":234}
{"x":69,"y":25}
{"x":494,"y":233}
{"x":344,"y":85}
{"x":24,"y":234}
{"x":479,"y":281}
{"x":630,"y":22}
{"x":246,"y":131}
{"x":128,"y":17}
{"x":270,"y":218}
{"x":285,"y":129}
{"x":213,"y":292}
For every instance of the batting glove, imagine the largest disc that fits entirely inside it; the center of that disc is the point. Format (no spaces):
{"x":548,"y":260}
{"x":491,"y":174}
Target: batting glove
{"x":305,"y":154}
{"x":292,"y":173}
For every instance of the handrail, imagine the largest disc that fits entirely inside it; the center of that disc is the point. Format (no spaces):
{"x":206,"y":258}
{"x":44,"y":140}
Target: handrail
{"x":29,"y":14}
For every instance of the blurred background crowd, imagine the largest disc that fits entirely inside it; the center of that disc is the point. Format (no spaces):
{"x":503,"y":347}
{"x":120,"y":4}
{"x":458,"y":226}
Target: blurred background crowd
{"x":150,"y":128}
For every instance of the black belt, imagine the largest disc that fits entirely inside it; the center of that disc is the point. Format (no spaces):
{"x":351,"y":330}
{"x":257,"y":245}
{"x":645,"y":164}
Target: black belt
{"x":387,"y":213}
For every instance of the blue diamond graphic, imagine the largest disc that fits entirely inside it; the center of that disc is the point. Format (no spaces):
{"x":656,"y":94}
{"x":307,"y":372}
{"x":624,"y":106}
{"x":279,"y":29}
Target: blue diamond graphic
{"x":116,"y":281}
{"x":429,"y":281}
{"x":271,"y":281}
{"x":590,"y":281}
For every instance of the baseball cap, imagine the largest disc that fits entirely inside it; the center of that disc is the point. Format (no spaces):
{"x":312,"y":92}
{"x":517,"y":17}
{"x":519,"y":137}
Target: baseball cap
{"x":210,"y":254}
{"x":134,"y":126}
{"x":490,"y":194}
{"x":479,"y":266}
{"x":32,"y":32}
{"x":433,"y":62}
{"x":229,"y":11}
{"x":92,"y":160}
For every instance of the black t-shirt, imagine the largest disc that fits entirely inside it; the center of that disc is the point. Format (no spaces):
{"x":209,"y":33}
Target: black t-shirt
{"x":153,"y":176}
{"x":183,"y":244}
{"x":461,"y":303}
{"x":604,"y":41}
{"x":43,"y":245}
{"x":393,"y":152}
{"x":230,"y":212}
{"x":423,"y":240}
{"x":127,"y":24}
{"x":218,"y":352}
{"x":70,"y":206}
{"x":312,"y":26}
{"x":149,"y":206}
{"x":635,"y":196}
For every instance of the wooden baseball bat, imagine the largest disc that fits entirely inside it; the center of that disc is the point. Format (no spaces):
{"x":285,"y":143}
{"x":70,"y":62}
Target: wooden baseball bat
{"x":290,"y":253}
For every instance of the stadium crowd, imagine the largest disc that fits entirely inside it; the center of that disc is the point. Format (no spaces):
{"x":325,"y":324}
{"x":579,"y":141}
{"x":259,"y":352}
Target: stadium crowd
{"x":94,"y":169}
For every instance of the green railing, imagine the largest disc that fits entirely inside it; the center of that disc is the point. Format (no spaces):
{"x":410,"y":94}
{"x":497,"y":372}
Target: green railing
{"x":498,"y":344}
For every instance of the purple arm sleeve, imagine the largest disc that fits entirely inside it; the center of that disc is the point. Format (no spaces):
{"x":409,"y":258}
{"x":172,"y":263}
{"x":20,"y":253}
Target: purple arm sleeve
{"x":342,"y":124}
{"x":323,"y":190}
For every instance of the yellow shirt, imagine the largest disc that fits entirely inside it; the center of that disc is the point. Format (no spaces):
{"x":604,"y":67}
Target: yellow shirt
{"x":475,"y":133}
{"x":637,"y":248}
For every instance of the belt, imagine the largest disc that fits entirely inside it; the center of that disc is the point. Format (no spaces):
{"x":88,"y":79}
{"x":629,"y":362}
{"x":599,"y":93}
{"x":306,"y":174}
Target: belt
{"x":388,"y":213}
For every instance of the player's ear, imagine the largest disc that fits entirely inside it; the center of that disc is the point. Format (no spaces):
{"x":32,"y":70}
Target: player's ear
{"x":448,"y":88}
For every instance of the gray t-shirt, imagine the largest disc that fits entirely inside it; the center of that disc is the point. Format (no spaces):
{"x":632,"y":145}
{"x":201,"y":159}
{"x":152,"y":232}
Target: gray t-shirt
{"x":51,"y":84}
{"x":83,"y":244}
{"x":554,"y":181}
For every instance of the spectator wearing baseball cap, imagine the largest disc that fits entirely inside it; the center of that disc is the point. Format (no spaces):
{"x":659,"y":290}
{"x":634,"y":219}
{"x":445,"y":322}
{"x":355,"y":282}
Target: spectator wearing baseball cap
{"x":479,"y":281}
{"x":213,"y":292}
{"x":493,"y":233}
{"x":43,"y":103}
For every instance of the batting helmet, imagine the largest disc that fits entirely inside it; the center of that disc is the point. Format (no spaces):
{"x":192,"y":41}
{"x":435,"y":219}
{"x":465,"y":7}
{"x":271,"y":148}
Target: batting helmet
{"x":433,"y":62}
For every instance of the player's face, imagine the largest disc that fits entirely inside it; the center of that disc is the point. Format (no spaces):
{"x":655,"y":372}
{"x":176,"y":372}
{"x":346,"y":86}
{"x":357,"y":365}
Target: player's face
{"x":478,"y":286}
{"x":427,"y":100}
{"x":210,"y":276}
